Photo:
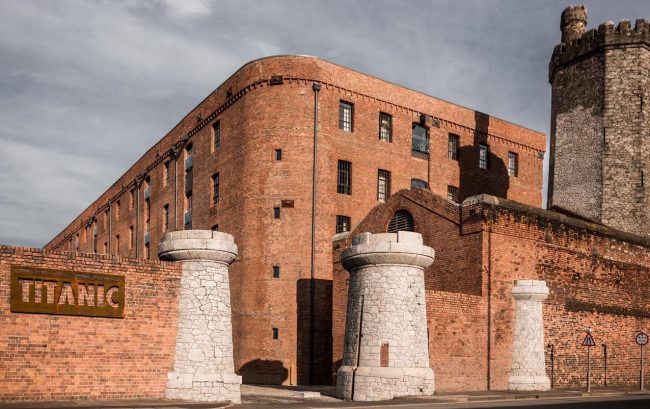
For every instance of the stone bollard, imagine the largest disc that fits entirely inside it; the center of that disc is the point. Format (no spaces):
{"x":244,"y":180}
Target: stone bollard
{"x":386,"y":351}
{"x":528,"y":372}
{"x":203,"y":366}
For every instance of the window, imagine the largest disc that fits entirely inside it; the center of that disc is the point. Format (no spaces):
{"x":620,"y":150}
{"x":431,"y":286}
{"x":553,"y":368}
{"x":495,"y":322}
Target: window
{"x":165,"y":217}
{"x":401,"y":221}
{"x":105,"y":247}
{"x":278,"y":154}
{"x":131,"y":237}
{"x":276,"y":212}
{"x":419,"y":184}
{"x":189,"y":163}
{"x":276,"y":271}
{"x":344,"y":183}
{"x":166,"y":173}
{"x":420,"y":139}
{"x":452,"y":146}
{"x":345,"y":116}
{"x":342,"y":224}
{"x":385,"y":127}
{"x":105,"y":219}
{"x":216,"y":130}
{"x":76,"y":242}
{"x":513,"y":164}
{"x":188,"y":211}
{"x":452,"y":194}
{"x":147,"y":214}
{"x":383,"y":185}
{"x":117,"y":245}
{"x":146,"y":250}
{"x":483,"y":156}
{"x":215,"y":189}
{"x":94,"y":237}
{"x":132,"y":199}
{"x":276,"y":333}
{"x":117,"y":210}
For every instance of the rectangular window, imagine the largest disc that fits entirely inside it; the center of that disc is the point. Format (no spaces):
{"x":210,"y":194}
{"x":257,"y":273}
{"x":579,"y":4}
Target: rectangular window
{"x":166,"y":217}
{"x":276,"y":271}
{"x":276,"y":212}
{"x":276,"y":333}
{"x":131,"y":237}
{"x":483,"y":156}
{"x":278,"y":154}
{"x":452,"y":146}
{"x":215,"y":189}
{"x":216,"y":130}
{"x":420,"y":139}
{"x":513,"y":164}
{"x":452,"y":194}
{"x":117,"y":210}
{"x":345,"y":116}
{"x":76,"y":242}
{"x":342,"y":224}
{"x":132,"y":199}
{"x":419,"y":184}
{"x":383,"y":185}
{"x":117,"y":245}
{"x":385,"y":127}
{"x":189,"y":162}
{"x":166,"y":173}
{"x":147,"y":214}
{"x":187,"y":225}
{"x":105,"y":219}
{"x":344,"y":181}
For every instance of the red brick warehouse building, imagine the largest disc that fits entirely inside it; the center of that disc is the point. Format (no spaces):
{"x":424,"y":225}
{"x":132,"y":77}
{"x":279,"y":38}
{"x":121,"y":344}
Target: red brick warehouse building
{"x":287,"y":152}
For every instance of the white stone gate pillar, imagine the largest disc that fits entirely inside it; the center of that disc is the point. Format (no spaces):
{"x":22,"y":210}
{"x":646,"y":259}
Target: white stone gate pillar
{"x":386,"y":350}
{"x":203,"y":367}
{"x":528,"y":371}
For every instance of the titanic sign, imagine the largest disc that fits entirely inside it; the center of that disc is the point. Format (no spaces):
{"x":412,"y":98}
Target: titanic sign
{"x":44,"y":291}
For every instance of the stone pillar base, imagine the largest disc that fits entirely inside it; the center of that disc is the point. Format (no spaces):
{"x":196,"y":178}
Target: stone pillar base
{"x":199,"y":387}
{"x":529,"y":383}
{"x":381,"y":383}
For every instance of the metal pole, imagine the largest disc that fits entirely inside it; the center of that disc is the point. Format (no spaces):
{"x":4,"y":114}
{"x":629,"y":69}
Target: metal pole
{"x":641,"y":381}
{"x":552,"y":364}
{"x":605,"y":356}
{"x":312,"y":313}
{"x":588,"y":369}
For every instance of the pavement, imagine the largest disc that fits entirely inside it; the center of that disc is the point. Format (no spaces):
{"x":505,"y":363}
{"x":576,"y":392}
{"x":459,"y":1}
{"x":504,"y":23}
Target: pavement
{"x":276,"y":396}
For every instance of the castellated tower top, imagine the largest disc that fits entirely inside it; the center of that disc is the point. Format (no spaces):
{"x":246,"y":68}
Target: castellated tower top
{"x":574,"y":21}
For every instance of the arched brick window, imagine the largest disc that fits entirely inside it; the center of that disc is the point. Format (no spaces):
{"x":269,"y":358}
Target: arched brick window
{"x":401,"y":221}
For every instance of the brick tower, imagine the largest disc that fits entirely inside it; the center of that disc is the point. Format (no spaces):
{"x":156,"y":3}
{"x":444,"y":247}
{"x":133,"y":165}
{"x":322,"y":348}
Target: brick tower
{"x":600,"y":146}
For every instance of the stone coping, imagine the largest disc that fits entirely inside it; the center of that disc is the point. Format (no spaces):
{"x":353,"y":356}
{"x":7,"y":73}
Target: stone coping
{"x":403,"y":247}
{"x":198,"y":245}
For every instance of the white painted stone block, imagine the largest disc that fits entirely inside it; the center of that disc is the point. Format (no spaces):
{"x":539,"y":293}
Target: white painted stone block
{"x":528,"y":370}
{"x":386,"y":306}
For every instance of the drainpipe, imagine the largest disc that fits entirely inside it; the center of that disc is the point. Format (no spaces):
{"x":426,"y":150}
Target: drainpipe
{"x":489,"y":306}
{"x":312,"y":297}
{"x":110,"y":227}
{"x":175,"y":157}
{"x":137,"y":217}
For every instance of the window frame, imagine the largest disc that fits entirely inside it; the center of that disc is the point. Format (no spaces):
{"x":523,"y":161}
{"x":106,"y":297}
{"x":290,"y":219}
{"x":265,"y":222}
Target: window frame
{"x":344,"y":125}
{"x":453,"y":194}
{"x":389,"y":130}
{"x":453,"y":146}
{"x":386,"y":192}
{"x":513,"y":164}
{"x":414,"y":147}
{"x":215,"y":189}
{"x":344,"y":177}
{"x":343,"y":221}
{"x":484,"y":163}
{"x":216,"y":135}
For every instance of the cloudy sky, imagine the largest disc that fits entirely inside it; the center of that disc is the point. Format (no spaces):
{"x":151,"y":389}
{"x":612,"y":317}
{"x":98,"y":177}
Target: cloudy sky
{"x":87,"y":86}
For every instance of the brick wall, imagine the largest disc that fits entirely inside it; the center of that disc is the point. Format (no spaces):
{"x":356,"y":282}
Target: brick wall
{"x":598,"y":278}
{"x":53,"y":357}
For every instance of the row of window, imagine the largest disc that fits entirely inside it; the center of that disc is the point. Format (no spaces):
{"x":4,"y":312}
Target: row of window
{"x":420,"y":137}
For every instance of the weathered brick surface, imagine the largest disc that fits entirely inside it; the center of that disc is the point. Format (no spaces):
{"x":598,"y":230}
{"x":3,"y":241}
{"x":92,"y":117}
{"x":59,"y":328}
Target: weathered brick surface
{"x":48,"y":357}
{"x":598,"y":278}
{"x":600,"y":125}
{"x":259,"y":118}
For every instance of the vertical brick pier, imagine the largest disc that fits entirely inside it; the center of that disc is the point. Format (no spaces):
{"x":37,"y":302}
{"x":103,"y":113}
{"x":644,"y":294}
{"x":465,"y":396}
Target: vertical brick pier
{"x":386,"y":350}
{"x":203,"y":366}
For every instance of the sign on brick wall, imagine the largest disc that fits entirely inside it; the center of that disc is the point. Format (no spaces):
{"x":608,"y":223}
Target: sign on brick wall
{"x":44,"y":291}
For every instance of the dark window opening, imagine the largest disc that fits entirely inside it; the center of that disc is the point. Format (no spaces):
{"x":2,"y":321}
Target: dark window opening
{"x":215,"y":189}
{"x":452,"y":146}
{"x":483,"y":156}
{"x":419,"y":184}
{"x":276,"y":212}
{"x":276,"y":333}
{"x":420,"y":139}
{"x":401,"y":221}
{"x":342,"y":224}
{"x":216,"y":129}
{"x":278,"y":154}
{"x":344,"y":181}
{"x":276,"y":271}
{"x":452,"y":194}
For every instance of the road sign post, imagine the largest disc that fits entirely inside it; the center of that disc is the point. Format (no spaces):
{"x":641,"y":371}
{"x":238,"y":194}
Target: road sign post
{"x":588,"y":342}
{"x":641,"y":340}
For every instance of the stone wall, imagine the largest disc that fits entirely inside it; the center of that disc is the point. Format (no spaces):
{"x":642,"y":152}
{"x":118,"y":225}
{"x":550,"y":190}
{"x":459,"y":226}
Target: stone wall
{"x":54,"y":357}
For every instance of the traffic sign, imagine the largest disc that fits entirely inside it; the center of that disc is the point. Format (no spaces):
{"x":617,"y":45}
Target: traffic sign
{"x":588,"y":341}
{"x":641,"y":339}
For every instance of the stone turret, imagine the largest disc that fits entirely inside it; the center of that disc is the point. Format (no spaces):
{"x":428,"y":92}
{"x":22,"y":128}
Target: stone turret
{"x":386,"y":351}
{"x":573,"y":22}
{"x":600,"y":127}
{"x":204,"y":367}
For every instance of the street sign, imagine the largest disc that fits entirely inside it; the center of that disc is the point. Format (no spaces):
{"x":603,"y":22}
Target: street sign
{"x":588,"y":341}
{"x":641,"y":339}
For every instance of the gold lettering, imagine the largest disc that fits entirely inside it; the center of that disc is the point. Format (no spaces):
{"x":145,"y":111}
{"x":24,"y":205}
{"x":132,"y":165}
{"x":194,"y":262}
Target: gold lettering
{"x":66,"y":296}
{"x":86,"y":294}
{"x":109,"y":297}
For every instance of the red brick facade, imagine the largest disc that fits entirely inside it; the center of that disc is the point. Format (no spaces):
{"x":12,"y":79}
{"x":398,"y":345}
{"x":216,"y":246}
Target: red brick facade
{"x":259,"y":114}
{"x":53,"y":357}
{"x":598,"y":278}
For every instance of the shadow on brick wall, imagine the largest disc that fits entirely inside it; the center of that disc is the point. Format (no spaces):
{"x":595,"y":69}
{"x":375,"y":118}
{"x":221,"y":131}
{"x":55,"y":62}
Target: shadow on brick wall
{"x":322,"y":337}
{"x":473,"y":180}
{"x":260,"y":371}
